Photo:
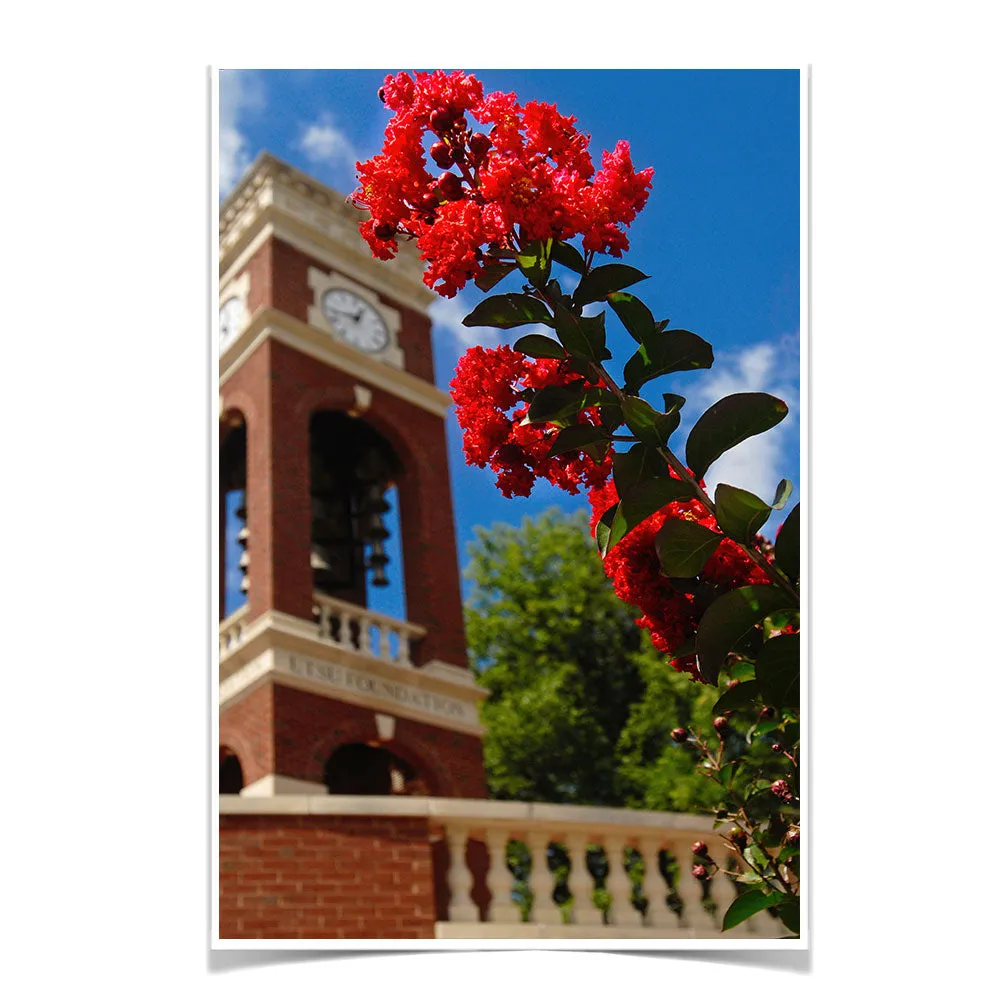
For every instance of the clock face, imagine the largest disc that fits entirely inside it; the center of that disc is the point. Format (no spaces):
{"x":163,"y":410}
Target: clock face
{"x":230,"y":321}
{"x":355,"y":320}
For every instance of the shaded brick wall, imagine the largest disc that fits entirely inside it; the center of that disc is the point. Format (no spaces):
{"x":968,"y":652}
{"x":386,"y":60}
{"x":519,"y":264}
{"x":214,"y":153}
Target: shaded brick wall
{"x":325,"y":877}
{"x":282,"y":730}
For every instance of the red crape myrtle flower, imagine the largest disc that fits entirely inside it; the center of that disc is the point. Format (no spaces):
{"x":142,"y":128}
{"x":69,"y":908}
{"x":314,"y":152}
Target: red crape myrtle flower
{"x":529,"y":169}
{"x":634,"y":568}
{"x":487,"y":385}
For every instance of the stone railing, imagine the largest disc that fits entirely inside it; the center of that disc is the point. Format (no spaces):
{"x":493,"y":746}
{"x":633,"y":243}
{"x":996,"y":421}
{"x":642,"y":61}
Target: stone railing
{"x":231,"y":630}
{"x":338,"y":624}
{"x":629,"y":871}
{"x":361,"y":630}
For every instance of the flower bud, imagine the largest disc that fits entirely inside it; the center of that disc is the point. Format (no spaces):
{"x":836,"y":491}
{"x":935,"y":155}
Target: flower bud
{"x":777,"y":747}
{"x":460,"y":124}
{"x":721,"y":725}
{"x":479,"y":146}
{"x":441,"y":154}
{"x":384,"y":230}
{"x":792,"y":837}
{"x":381,"y":94}
{"x":781,"y":790}
{"x":700,"y":848}
{"x":441,"y":120}
{"x":738,"y":836}
{"x":679,"y":735}
{"x":450,"y":187}
{"x":700,"y":872}
{"x":767,"y":712}
{"x":731,"y":684}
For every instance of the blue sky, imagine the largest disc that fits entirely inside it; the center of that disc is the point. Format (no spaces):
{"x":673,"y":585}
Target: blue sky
{"x":719,"y":236}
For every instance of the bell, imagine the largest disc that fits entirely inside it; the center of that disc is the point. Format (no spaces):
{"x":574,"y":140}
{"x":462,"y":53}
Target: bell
{"x":374,"y":502}
{"x":377,"y":556}
{"x":376,"y":530}
{"x":379,"y":579}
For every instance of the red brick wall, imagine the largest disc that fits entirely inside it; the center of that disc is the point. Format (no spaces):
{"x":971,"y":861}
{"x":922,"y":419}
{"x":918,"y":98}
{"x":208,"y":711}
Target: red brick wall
{"x":282,"y":730}
{"x":325,"y":877}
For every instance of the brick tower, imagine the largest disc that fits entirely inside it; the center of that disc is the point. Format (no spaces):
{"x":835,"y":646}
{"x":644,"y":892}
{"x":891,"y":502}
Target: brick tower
{"x":327,"y":401}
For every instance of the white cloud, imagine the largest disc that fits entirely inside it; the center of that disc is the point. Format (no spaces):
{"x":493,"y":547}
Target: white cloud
{"x":240,"y":91}
{"x":758,"y":463}
{"x":447,"y":315}
{"x":322,"y":142}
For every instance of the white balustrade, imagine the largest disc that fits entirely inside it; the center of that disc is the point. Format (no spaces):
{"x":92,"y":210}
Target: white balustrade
{"x":231,"y":630}
{"x":464,"y":822}
{"x":361,"y":630}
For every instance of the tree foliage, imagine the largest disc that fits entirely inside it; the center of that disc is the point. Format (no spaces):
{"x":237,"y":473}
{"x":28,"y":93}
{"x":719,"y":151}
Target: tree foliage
{"x":581,"y":705}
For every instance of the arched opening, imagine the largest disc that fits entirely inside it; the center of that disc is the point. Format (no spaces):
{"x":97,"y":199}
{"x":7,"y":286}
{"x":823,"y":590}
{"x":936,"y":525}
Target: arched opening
{"x":353,"y":471}
{"x":234,"y":559}
{"x":230,"y":772}
{"x":360,"y":769}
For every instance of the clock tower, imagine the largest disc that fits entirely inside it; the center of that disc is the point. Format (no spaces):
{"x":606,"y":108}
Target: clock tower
{"x":331,"y":439}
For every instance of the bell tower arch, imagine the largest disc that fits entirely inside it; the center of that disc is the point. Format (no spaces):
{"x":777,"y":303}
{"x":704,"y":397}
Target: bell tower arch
{"x":331,"y":429}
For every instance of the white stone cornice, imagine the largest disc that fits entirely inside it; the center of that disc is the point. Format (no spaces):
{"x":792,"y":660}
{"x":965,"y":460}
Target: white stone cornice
{"x":302,"y":337}
{"x":275,"y":198}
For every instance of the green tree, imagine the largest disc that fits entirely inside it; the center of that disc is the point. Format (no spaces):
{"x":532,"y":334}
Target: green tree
{"x":581,"y":705}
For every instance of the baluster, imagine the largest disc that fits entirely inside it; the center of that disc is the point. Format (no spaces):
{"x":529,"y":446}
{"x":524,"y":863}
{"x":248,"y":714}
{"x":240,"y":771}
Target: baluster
{"x":498,"y":880}
{"x":347,"y":622}
{"x":461,"y":909}
{"x":689,"y":889}
{"x":404,"y":648}
{"x":654,"y":887}
{"x":324,"y":621}
{"x":543,"y":909}
{"x":392,"y":632}
{"x":619,"y":885}
{"x":364,"y":634}
{"x":581,"y":882}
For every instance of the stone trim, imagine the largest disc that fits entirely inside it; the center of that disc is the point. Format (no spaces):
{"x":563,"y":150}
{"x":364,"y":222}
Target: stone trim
{"x":267,"y":322}
{"x":277,"y":784}
{"x":476,"y":813}
{"x":317,"y":220}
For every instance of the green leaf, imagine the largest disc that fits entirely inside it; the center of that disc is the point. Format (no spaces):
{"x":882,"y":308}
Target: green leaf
{"x":492,"y":274}
{"x":663,"y":353}
{"x":634,"y":314}
{"x":577,"y":437}
{"x":685,"y":546}
{"x":749,"y":878}
{"x":781,"y":494}
{"x":643,"y":500}
{"x":638,"y":463}
{"x":648,"y":425}
{"x":535,"y":261}
{"x":740,"y":513}
{"x":582,"y":336}
{"x":728,"y":422}
{"x":778,"y":669}
{"x":738,"y":696}
{"x":568,"y":255}
{"x":604,"y":280}
{"x":788,"y":852}
{"x":602,"y":530}
{"x":747,"y":904}
{"x":786,"y":545}
{"x":788,"y":911}
{"x":508,"y":311}
{"x":728,"y":620}
{"x":671,"y":401}
{"x":553,"y":402}
{"x":535,"y":345}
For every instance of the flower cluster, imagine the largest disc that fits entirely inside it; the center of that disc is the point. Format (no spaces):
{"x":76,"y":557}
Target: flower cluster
{"x":633,"y":566}
{"x":529,"y":177}
{"x":488,"y":384}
